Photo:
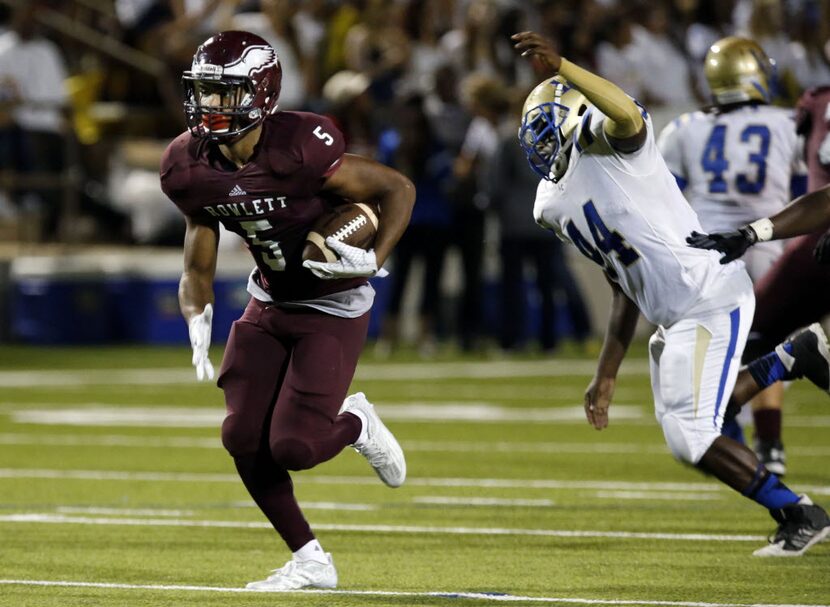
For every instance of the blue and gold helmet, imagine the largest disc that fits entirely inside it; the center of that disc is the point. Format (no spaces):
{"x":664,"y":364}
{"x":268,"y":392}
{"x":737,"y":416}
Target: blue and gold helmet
{"x":550,"y":115}
{"x":738,"y":70}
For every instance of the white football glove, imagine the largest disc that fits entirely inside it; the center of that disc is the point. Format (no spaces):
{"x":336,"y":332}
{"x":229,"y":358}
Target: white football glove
{"x":353,"y":262}
{"x":199,"y":327}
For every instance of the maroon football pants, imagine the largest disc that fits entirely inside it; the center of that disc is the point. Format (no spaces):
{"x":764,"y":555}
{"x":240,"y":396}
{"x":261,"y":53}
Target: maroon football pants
{"x":285,"y":374}
{"x":795,"y":292}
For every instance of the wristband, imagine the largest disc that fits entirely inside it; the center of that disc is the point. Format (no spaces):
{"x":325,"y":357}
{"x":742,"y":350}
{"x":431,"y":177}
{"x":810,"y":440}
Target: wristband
{"x":762,"y":228}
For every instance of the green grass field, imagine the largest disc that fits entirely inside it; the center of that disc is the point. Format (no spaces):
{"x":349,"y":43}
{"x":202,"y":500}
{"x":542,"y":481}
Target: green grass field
{"x":116,"y":491}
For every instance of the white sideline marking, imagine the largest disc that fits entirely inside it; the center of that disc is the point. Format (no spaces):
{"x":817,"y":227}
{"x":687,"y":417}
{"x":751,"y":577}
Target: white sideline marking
{"x":187,"y":442}
{"x":493,"y":483}
{"x":320,"y":506}
{"x":202,"y":477}
{"x":60,"y":519}
{"x":655,"y":495}
{"x":532,"y":447}
{"x":110,"y":440}
{"x":124,"y":511}
{"x":554,"y":367}
{"x":481,"y":501}
{"x":544,"y":503}
{"x":97,"y":414}
{"x":480,"y":596}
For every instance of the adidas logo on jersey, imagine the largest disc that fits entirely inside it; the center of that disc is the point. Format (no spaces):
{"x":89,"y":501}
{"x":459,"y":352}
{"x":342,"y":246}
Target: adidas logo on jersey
{"x":237,"y":191}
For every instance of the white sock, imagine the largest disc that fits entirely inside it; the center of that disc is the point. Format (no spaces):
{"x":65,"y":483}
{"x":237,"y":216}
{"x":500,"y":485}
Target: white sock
{"x":312,"y":551}
{"x":363,"y":423}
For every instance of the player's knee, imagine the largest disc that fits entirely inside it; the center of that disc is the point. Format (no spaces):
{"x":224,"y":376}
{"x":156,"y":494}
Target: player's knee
{"x":687,"y":443}
{"x":238,"y":438}
{"x":292,"y":453}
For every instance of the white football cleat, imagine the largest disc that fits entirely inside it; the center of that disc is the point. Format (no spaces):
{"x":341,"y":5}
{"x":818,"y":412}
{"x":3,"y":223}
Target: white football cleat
{"x":296,"y":575}
{"x":378,"y":444}
{"x":800,"y":526}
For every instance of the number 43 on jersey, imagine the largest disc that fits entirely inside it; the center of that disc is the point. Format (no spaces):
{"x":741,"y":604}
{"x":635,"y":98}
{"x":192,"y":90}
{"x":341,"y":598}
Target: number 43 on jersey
{"x":606,"y":241}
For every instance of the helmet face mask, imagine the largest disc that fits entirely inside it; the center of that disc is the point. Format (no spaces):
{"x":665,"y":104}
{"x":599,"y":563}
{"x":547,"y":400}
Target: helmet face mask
{"x":218,"y":109}
{"x":551,"y":114}
{"x":233,"y":84}
{"x":541,"y":136}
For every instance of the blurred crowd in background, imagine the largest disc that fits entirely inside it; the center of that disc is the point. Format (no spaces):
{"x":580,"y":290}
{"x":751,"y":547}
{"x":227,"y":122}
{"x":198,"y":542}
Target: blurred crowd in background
{"x":90,"y":94}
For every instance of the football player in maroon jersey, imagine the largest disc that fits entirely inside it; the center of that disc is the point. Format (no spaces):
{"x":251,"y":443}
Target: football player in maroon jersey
{"x":268,"y":175}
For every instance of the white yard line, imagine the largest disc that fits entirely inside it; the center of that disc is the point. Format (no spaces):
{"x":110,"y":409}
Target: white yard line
{"x":103,"y":414}
{"x":341,"y":506}
{"x":338,"y":506}
{"x":60,"y":519}
{"x":497,"y":369}
{"x":95,"y":414}
{"x":110,"y":440}
{"x":437,"y":500}
{"x":187,"y":442}
{"x":657,"y":495}
{"x":494,"y":483}
{"x":545,"y":503}
{"x":124,"y":511}
{"x":500,"y":483}
{"x":600,"y":447}
{"x":438,"y":594}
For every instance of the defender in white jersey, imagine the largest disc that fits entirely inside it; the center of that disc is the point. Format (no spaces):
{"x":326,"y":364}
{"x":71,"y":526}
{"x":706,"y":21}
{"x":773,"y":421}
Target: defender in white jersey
{"x":737,"y":160}
{"x":607,"y":190}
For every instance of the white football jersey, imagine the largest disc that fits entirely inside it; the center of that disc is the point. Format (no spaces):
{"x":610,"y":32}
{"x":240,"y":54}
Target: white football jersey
{"x":626,"y":213}
{"x":733,"y":167}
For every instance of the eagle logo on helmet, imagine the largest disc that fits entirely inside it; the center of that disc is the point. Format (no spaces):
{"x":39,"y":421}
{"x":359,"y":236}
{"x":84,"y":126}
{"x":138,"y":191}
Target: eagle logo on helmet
{"x":253,"y":62}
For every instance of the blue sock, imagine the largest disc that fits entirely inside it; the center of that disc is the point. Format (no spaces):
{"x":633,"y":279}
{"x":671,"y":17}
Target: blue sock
{"x":769,"y":491}
{"x":769,"y":369}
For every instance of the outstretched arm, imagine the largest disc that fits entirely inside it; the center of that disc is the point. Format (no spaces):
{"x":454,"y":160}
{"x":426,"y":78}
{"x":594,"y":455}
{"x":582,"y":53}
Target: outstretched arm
{"x":806,"y":214}
{"x":625,"y":126}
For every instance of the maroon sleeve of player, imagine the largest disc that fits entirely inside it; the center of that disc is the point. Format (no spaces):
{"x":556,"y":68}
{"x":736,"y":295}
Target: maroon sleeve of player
{"x":321,"y":146}
{"x":174,"y":170}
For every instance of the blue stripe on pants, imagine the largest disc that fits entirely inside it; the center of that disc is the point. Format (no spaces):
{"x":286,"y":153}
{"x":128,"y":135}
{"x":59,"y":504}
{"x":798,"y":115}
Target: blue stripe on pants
{"x":735,"y":323}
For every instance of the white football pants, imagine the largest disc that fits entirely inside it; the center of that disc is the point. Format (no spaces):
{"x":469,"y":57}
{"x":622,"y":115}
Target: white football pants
{"x":694,"y":364}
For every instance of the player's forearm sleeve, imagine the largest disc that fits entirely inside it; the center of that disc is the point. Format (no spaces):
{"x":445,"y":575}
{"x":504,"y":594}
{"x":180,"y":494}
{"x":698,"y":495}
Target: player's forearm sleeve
{"x":626,"y":118}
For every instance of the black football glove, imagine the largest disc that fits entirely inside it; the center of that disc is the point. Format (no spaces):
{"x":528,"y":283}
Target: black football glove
{"x":822,"y":250}
{"x":731,"y":244}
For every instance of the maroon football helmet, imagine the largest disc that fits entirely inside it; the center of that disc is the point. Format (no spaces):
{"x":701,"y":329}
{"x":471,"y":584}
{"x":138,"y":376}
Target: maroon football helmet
{"x":233,"y":84}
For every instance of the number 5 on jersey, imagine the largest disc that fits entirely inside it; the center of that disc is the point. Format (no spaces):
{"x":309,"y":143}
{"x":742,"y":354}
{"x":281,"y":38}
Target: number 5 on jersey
{"x":269,"y":250}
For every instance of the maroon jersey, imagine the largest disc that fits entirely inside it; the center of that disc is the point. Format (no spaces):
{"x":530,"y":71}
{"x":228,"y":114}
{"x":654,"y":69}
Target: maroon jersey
{"x":814,"y":123}
{"x":272,"y":202}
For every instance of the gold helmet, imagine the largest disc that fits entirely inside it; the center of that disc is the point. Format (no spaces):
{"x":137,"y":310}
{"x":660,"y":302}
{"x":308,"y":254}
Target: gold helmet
{"x":739,"y":70}
{"x":550,"y":115}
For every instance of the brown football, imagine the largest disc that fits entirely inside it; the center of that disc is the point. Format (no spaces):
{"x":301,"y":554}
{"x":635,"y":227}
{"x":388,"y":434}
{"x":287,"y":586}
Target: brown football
{"x":353,"y":223}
